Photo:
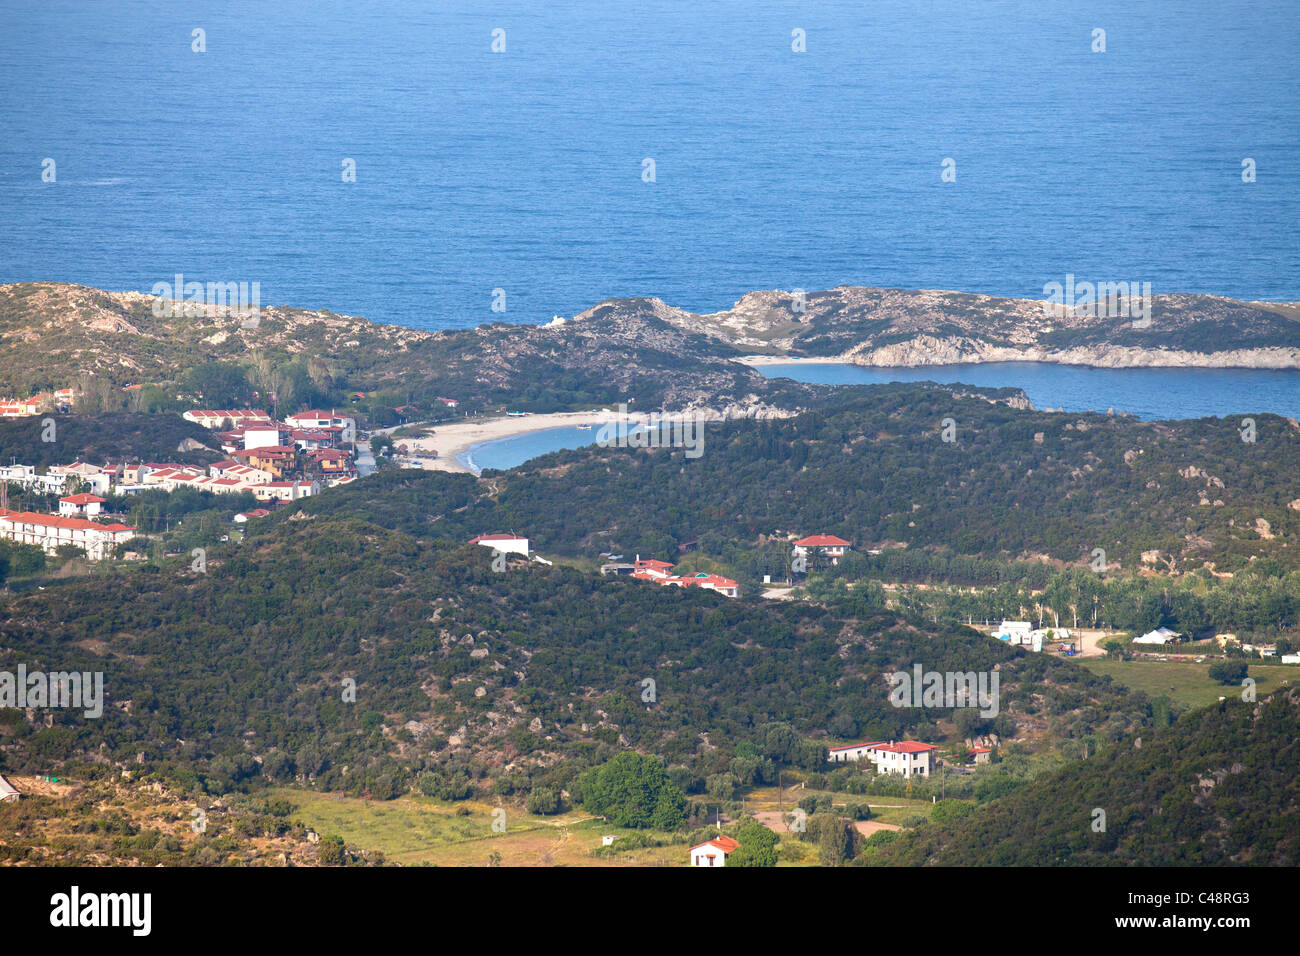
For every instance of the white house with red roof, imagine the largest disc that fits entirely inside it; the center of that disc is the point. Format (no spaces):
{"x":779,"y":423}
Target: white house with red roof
{"x":827,"y":544}
{"x":49,"y":532}
{"x":317,"y":418}
{"x":18,"y":408}
{"x":220,"y":418}
{"x":659,"y":572}
{"x":82,"y":504}
{"x":905,"y":757}
{"x":713,"y":852}
{"x":244,"y":516}
{"x":651,"y":568}
{"x":506,"y":543}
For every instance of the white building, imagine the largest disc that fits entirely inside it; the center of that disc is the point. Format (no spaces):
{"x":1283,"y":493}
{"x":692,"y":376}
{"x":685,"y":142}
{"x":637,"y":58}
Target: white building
{"x":906,"y":758}
{"x":714,"y":852}
{"x":1015,"y":632}
{"x":78,"y":505}
{"x":263,"y":435}
{"x":1161,"y":635}
{"x":827,"y":544}
{"x":49,"y":532}
{"x":850,"y":753}
{"x":283,"y":490}
{"x":507,"y":543}
{"x":317,"y":418}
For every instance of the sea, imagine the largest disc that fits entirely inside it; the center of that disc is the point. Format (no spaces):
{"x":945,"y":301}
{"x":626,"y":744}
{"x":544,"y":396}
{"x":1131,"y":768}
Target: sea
{"x":446,"y":164}
{"x":542,"y":156}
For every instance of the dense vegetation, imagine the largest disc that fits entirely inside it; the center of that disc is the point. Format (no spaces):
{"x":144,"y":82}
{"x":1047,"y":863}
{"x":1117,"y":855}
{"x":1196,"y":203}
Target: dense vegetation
{"x":220,"y":680}
{"x":93,"y":438}
{"x":1221,"y":786}
{"x":874,"y":469}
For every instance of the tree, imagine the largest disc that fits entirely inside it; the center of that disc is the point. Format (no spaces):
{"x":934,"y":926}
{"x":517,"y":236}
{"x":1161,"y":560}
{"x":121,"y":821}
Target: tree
{"x":1228,"y":672}
{"x":331,"y":851}
{"x":218,"y":385}
{"x":633,"y":790}
{"x":835,"y":842}
{"x":543,"y":801}
{"x":757,"y":845}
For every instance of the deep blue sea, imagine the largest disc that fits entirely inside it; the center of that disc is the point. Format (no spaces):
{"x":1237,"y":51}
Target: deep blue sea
{"x":1148,"y":393}
{"x":523,"y":170}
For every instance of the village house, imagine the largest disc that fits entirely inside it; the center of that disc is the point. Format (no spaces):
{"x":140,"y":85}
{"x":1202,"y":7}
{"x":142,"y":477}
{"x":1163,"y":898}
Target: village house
{"x":852,"y":752}
{"x":18,"y":408}
{"x":265,"y":435}
{"x":244,"y":516}
{"x":981,"y":754}
{"x":285,"y":490}
{"x":92,"y":477}
{"x":310,"y":439}
{"x":827,"y":544}
{"x":277,"y":459}
{"x":245,"y":474}
{"x":659,"y":572}
{"x":315,"y":418}
{"x":331,"y":461}
{"x":222,"y":419}
{"x":713,"y":852}
{"x":507,"y":543}
{"x":652,"y":568}
{"x":906,"y":758}
{"x":86,"y":505}
{"x":24,"y":475}
{"x":49,"y":532}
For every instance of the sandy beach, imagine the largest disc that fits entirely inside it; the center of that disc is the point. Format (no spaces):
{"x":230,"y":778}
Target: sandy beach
{"x":454,"y":438}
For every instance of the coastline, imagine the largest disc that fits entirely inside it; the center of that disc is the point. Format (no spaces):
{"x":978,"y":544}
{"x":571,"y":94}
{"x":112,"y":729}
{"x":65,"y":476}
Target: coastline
{"x":1261,"y":360}
{"x":457,"y":438}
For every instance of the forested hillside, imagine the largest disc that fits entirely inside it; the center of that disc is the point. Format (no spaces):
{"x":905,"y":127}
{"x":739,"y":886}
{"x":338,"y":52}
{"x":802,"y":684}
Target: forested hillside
{"x":222,"y":679}
{"x":874,"y":468}
{"x":1221,"y":786}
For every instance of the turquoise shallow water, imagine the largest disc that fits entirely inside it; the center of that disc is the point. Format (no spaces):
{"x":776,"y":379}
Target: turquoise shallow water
{"x":523,"y":170}
{"x":1147,"y":393}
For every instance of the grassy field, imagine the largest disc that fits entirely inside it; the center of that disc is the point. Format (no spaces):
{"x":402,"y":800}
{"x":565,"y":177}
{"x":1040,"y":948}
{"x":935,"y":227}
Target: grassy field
{"x":416,"y":830}
{"x":883,"y":809}
{"x":1188,"y":682}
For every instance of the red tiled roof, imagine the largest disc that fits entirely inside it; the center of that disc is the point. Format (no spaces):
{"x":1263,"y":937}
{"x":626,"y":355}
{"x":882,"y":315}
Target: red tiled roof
{"x":724,"y":843}
{"x":823,"y":541}
{"x":83,"y":499}
{"x":54,"y":521}
{"x":717,"y":580}
{"x":496,"y":537}
{"x":905,"y":747}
